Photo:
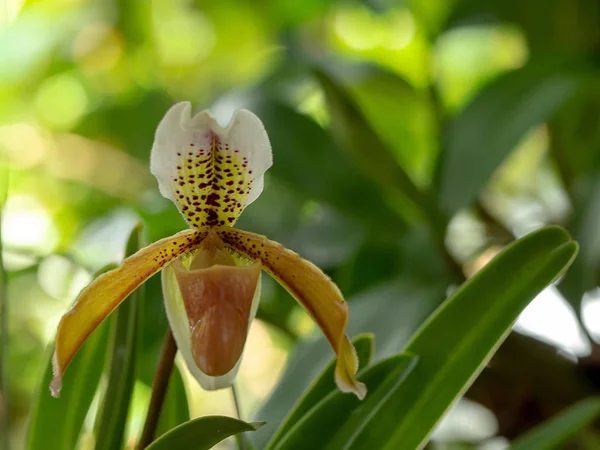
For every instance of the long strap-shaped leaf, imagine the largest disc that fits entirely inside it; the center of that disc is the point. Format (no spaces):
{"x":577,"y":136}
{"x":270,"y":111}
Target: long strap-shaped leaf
{"x":455,"y":343}
{"x":319,"y":425}
{"x":112,"y":419}
{"x":56,"y":422}
{"x":323,"y":386}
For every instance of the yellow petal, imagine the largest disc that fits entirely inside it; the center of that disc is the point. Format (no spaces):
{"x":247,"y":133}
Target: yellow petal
{"x":107,"y":291}
{"x":314,"y":290}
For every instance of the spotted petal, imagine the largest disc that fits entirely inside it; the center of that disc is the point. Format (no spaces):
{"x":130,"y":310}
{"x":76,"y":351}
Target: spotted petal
{"x":107,"y":291}
{"x":319,"y":296}
{"x":210,"y":173}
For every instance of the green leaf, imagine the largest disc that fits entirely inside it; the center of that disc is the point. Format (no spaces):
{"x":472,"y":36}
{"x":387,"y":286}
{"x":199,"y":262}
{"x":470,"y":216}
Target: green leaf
{"x":175,"y":410}
{"x":392,"y":311}
{"x":56,"y":422}
{"x":490,"y":127}
{"x":125,"y":324}
{"x":577,"y":125}
{"x":321,"y":424}
{"x":555,"y":432}
{"x":310,"y":163}
{"x":324,"y":384}
{"x":4,"y":310}
{"x":403,"y":117}
{"x":455,"y":343}
{"x":202,"y":433}
{"x":583,"y":275}
{"x":366,"y":148}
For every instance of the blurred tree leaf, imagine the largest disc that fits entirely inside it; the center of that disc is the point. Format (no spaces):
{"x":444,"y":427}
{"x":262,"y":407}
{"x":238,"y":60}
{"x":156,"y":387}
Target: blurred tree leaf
{"x":308,"y":162}
{"x":56,"y":423}
{"x":549,"y":33}
{"x":577,"y":126}
{"x":323,"y":385}
{"x":293,"y":14}
{"x":315,"y":230}
{"x":30,"y":40}
{"x":131,"y":123}
{"x":373,"y":156}
{"x":583,"y":275}
{"x":125,"y":325}
{"x":280,"y":222}
{"x":175,"y":410}
{"x":403,"y":117}
{"x":202,"y":433}
{"x":432,"y":15}
{"x":554,"y":433}
{"x":450,"y":357}
{"x":320,"y":425}
{"x":392,"y":311}
{"x":131,"y":23}
{"x":375,"y":261}
{"x":490,"y":126}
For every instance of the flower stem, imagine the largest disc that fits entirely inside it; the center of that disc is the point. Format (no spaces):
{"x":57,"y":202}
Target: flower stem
{"x":239,"y":437}
{"x":4,"y":402}
{"x":159,"y":389}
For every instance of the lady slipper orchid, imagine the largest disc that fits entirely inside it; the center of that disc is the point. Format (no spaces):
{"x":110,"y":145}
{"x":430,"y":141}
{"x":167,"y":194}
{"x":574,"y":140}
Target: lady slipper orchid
{"x":211,"y":272}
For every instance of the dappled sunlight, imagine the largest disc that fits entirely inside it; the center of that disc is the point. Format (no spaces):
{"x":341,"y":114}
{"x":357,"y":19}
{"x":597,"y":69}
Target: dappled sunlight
{"x":391,"y":39}
{"x":17,"y":137}
{"x":97,"y":47}
{"x":103,"y":240}
{"x":61,"y":279}
{"x":466,"y":57}
{"x":27,"y":225}
{"x":61,"y":101}
{"x":99,"y":165}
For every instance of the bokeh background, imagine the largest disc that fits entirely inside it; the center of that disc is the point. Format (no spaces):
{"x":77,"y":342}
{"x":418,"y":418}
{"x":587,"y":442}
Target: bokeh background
{"x":492,"y":108}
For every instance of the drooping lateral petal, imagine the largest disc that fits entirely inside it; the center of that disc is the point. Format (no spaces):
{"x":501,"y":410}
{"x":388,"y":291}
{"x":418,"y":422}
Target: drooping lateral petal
{"x":314,"y":290}
{"x":210,"y":173}
{"x":210,"y":311}
{"x":107,"y":291}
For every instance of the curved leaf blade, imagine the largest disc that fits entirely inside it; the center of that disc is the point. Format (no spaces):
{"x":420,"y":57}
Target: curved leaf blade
{"x":63,"y":418}
{"x":320,"y":425}
{"x":485,"y":307}
{"x":56,"y":422}
{"x":202,"y":433}
{"x":125,"y":331}
{"x":323,"y":385}
{"x":392,"y":311}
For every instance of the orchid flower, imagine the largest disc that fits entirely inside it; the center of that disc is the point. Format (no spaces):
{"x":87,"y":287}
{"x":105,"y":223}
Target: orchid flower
{"x":211,"y":272}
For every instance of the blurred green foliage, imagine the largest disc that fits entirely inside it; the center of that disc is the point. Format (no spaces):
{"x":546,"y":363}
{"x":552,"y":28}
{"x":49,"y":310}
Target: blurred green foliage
{"x":411,"y":141}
